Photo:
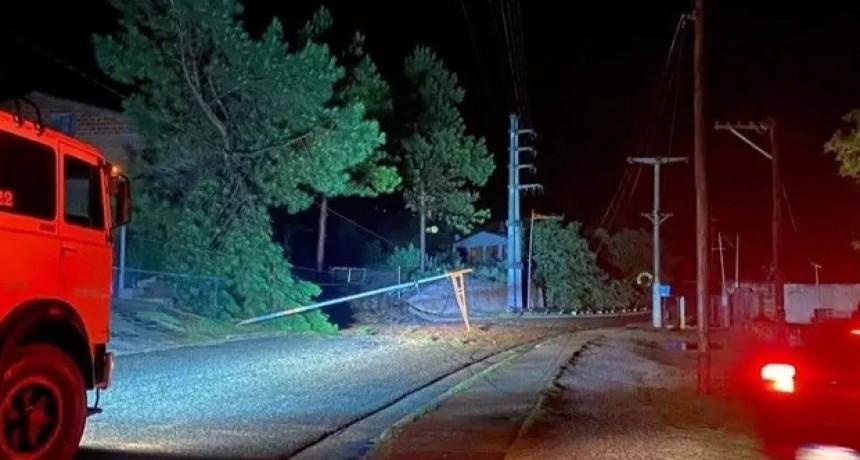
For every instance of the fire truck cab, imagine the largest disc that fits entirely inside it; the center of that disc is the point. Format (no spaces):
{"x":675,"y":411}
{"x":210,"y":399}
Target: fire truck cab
{"x":60,"y":204}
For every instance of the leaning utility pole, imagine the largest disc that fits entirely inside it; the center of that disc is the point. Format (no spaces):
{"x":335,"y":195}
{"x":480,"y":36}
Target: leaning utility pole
{"x":702,"y":219}
{"x":514,"y":248}
{"x":656,"y":220}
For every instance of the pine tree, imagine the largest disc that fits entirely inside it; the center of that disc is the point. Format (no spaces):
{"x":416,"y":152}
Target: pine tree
{"x":362,"y":85}
{"x":442,"y":165}
{"x":233,"y":127}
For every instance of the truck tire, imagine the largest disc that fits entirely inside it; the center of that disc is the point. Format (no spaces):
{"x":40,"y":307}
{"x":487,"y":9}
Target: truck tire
{"x":42,"y":404}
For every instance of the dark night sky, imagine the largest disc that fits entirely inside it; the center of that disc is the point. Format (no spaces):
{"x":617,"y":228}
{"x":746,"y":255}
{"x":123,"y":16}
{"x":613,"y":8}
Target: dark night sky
{"x":593,"y":69}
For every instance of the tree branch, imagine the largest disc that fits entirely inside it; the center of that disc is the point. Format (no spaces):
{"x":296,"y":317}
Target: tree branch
{"x":195,"y":88}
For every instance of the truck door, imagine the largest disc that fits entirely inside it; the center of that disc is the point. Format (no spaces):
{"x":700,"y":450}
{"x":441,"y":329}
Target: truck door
{"x":85,"y":248}
{"x":29,"y":247}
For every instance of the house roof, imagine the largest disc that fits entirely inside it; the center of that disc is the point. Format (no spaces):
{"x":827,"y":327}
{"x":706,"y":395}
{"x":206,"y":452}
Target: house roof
{"x":481,"y":239}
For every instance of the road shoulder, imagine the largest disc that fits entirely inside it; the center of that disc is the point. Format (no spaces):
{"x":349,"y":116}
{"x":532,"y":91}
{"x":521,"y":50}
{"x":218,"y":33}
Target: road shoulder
{"x":629,"y":397}
{"x":482,"y":417}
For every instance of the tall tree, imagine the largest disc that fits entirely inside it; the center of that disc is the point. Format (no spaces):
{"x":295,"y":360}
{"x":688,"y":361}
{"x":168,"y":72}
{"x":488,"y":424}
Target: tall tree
{"x":234,"y":127}
{"x":627,"y":253}
{"x":443,"y":167}
{"x":846,"y":145}
{"x":362,"y":85}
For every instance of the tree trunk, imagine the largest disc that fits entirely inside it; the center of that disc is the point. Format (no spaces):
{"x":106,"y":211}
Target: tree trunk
{"x":422,"y":212}
{"x":321,"y":233}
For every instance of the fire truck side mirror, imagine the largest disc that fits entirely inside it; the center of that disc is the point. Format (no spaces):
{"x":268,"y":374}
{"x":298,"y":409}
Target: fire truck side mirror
{"x":122,"y":201}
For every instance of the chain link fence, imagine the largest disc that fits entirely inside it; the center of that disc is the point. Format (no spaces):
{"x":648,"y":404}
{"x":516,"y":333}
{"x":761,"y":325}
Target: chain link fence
{"x":143,"y":277}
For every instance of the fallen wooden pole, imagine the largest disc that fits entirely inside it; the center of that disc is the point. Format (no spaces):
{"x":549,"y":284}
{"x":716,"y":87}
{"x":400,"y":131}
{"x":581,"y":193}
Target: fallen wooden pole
{"x":455,"y":276}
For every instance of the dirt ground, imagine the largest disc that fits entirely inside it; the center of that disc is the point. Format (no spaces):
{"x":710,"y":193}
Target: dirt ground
{"x":489,"y":335}
{"x":634,"y":396}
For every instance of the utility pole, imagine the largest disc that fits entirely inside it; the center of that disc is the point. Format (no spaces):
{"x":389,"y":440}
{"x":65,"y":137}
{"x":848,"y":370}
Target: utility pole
{"x":724,"y":298}
{"x":778,"y":290}
{"x":321,"y":234}
{"x":702,"y":218}
{"x":817,"y":267}
{"x":656,"y":220}
{"x":514,"y":248}
{"x":776,"y":186}
{"x":737,"y":261}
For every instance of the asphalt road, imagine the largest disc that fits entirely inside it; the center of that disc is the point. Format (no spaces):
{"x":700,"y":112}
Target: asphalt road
{"x":259,"y":398}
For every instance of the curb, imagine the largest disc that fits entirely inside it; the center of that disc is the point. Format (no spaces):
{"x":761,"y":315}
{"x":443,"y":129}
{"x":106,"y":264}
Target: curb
{"x":563,"y":361}
{"x":458,"y":388}
{"x":552,"y":384}
{"x":430,"y":316}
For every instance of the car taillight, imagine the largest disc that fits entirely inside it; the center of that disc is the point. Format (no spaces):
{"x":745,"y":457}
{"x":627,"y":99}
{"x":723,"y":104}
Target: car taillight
{"x":779,"y":377}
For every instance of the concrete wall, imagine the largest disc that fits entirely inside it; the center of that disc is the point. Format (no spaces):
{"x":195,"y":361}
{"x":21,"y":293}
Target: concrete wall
{"x":802,"y":299}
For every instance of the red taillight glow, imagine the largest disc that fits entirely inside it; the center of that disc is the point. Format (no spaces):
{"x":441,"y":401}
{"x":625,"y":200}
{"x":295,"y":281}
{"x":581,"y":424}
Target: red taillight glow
{"x":780,"y":377}
{"x":855,"y":331}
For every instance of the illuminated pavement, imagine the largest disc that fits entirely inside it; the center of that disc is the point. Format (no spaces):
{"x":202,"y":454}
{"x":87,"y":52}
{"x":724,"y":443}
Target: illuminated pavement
{"x":271,"y":397}
{"x":253,"y":398}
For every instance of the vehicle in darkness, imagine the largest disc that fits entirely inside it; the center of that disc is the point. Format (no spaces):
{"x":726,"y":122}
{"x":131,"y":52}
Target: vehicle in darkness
{"x":805,"y":393}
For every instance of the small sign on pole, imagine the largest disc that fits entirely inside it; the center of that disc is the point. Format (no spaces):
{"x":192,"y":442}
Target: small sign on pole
{"x":665,"y":290}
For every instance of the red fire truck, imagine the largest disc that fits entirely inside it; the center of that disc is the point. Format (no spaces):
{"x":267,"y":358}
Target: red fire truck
{"x":60,"y":204}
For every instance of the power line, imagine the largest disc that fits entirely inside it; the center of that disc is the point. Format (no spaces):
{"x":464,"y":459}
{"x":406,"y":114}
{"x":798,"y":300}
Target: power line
{"x":502,"y":62}
{"x":509,"y":53}
{"x":665,"y":83}
{"x":515,"y":20}
{"x":369,"y":231}
{"x":476,"y":50}
{"x":668,"y":84}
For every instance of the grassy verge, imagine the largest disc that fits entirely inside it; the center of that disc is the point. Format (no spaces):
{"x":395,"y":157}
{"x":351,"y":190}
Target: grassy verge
{"x":188,"y":327}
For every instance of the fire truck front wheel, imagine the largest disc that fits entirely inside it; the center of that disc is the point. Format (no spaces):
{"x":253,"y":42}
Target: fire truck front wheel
{"x":42,"y":404}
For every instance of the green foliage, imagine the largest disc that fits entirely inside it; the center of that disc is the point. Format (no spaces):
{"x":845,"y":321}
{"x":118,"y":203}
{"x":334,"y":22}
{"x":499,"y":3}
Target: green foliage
{"x":628,"y":251}
{"x":233,"y":126}
{"x":442,"y":166}
{"x":361,"y":85}
{"x":407,"y":258}
{"x":493,"y":270}
{"x":567,"y":268}
{"x":846,"y":146}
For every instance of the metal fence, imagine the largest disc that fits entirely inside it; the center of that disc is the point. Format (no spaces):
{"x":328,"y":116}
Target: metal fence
{"x":166,"y":287}
{"x":144,"y":276}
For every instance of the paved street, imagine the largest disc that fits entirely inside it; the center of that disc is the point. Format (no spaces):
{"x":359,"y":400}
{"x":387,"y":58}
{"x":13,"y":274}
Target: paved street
{"x":257,"y":397}
{"x":273,"y":396}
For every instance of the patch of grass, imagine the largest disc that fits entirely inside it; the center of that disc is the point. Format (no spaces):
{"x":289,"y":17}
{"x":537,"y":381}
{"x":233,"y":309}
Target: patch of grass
{"x":163,"y":319}
{"x":364,"y":330}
